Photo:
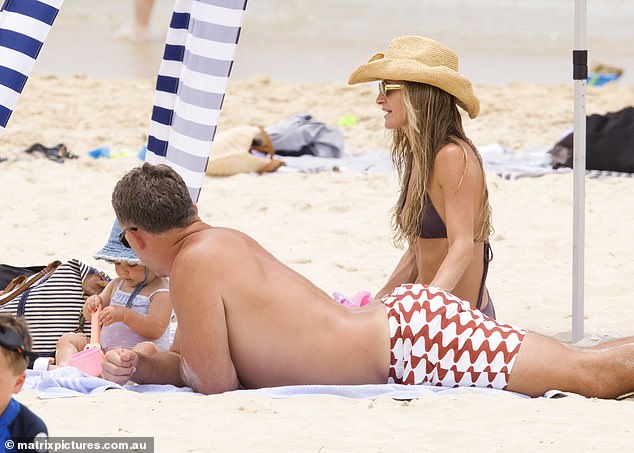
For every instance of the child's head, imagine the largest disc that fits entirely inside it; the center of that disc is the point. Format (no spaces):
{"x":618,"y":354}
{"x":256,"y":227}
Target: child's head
{"x":126,"y":264}
{"x":133,"y":274}
{"x":15,"y":341}
{"x":15,"y":344}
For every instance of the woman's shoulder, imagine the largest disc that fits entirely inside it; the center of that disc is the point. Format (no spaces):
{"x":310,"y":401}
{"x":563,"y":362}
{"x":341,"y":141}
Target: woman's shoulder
{"x":450,"y":157}
{"x":451,"y":150}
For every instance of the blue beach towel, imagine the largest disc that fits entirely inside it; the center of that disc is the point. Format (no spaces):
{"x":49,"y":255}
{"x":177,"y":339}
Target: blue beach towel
{"x":71,"y":382}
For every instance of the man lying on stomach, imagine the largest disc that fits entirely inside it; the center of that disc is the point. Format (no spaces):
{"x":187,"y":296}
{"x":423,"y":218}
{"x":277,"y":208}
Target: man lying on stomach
{"x":246,"y":319}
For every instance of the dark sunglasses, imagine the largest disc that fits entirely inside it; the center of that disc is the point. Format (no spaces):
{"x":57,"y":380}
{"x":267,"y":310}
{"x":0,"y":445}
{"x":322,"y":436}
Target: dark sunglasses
{"x":12,"y":341}
{"x":385,"y":87}
{"x":123,"y":239}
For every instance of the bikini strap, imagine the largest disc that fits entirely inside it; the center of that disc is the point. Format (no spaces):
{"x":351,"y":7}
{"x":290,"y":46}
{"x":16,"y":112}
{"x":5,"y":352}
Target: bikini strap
{"x":488,"y":257}
{"x":160,"y":290}
{"x":138,"y":289}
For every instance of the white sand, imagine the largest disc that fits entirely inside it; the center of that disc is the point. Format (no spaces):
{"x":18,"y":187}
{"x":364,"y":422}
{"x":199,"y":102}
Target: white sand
{"x":334,"y":228}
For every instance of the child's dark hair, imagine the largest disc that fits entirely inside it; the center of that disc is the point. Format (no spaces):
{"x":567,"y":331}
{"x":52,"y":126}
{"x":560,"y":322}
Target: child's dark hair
{"x":16,"y":361}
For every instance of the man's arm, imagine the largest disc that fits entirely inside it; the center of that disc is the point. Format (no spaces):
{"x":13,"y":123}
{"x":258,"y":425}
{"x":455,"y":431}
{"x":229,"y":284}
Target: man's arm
{"x":144,"y":364}
{"x":199,"y":284}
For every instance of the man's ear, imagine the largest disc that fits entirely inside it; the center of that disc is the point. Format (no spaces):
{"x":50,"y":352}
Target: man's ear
{"x":19,"y":382}
{"x":137,"y":238}
{"x":195,"y":208}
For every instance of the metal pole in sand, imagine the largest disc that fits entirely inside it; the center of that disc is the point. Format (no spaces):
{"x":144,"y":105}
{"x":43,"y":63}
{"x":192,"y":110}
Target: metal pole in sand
{"x":580,"y":75}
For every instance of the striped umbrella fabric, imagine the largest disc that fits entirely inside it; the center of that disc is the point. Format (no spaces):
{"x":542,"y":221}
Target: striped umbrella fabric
{"x":191,"y":85}
{"x":24,"y":25}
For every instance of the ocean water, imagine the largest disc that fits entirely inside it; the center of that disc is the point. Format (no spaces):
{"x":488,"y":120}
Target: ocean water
{"x":498,"y":41}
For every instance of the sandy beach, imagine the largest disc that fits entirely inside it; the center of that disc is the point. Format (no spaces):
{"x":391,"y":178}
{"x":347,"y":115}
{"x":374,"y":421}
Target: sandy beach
{"x":334,"y":228}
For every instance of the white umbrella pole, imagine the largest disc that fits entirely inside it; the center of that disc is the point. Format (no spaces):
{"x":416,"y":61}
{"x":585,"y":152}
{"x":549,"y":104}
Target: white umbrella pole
{"x":580,"y":75}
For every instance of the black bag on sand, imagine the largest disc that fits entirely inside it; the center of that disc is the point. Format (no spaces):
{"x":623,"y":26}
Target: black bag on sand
{"x":22,"y":278}
{"x":8,"y":273}
{"x":609,"y":143}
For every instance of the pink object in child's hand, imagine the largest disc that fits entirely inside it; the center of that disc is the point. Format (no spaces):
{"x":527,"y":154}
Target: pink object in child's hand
{"x":95,"y":328}
{"x":89,"y":360}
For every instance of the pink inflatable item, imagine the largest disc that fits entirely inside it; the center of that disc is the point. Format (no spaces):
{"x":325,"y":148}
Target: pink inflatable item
{"x":359,"y":300}
{"x":89,"y":360}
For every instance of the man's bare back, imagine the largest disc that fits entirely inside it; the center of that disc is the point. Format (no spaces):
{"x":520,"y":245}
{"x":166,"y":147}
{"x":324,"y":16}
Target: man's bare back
{"x":260,"y":316}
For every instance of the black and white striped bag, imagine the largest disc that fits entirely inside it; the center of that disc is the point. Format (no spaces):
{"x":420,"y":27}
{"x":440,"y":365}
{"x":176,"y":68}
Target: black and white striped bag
{"x":53,"y":305}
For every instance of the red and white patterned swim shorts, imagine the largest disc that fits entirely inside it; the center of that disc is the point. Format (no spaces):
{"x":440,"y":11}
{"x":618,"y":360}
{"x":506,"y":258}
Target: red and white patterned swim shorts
{"x":437,"y":339}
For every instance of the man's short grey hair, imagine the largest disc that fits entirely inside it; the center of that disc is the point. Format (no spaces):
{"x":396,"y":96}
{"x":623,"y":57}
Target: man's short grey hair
{"x":154,"y":198}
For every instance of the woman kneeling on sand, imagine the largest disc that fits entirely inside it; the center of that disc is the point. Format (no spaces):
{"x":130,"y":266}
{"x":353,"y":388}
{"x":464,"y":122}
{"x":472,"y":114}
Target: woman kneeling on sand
{"x":443,"y":211}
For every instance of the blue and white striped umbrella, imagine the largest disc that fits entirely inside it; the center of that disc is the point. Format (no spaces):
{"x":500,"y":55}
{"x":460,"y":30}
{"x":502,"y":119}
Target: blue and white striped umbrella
{"x":191,"y":85}
{"x":24,"y":25}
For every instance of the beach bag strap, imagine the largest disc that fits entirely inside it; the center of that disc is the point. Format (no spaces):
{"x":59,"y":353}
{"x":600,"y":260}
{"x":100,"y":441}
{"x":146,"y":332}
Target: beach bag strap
{"x":266,"y":146}
{"x":22,"y":283}
{"x":271,"y":166}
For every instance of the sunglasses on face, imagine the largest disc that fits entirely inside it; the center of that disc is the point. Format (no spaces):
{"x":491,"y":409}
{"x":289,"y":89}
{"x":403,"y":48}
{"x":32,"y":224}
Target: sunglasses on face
{"x":385,"y":87}
{"x":10,"y":340}
{"x":123,"y":239}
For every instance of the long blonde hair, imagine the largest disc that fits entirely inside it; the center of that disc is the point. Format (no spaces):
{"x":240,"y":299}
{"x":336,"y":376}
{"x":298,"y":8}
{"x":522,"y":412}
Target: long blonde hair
{"x":433,"y":121}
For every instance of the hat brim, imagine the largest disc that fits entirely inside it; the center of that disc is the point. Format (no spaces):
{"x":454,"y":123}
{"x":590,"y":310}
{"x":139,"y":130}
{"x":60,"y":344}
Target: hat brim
{"x":115,"y":254}
{"x":441,"y":77}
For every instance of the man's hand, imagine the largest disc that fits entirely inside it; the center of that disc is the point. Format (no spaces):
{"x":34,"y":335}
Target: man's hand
{"x":118,"y":365}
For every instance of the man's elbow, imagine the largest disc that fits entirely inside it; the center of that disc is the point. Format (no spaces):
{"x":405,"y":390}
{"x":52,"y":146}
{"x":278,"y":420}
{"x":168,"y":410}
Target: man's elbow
{"x":208,"y":383}
{"x":213,"y":388}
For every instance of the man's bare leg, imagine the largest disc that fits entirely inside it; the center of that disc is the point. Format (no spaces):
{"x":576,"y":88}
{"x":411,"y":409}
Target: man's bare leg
{"x":544,"y":363}
{"x":140,"y":31}
{"x":607,"y":344}
{"x":142,"y":12}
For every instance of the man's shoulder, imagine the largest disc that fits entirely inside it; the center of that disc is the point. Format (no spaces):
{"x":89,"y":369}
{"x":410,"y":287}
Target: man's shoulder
{"x":209,"y":246}
{"x":201,"y":241}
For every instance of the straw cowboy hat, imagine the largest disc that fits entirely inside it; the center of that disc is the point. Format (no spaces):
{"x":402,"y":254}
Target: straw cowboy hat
{"x":230,"y":152}
{"x":418,"y":59}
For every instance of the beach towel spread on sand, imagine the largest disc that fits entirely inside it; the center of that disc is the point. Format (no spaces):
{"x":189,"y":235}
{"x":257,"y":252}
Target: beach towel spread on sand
{"x":303,"y":134}
{"x":69,"y":382}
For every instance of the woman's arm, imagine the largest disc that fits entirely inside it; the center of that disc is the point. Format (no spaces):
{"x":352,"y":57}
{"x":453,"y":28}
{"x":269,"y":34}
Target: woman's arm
{"x":458,"y":180}
{"x":406,"y":271}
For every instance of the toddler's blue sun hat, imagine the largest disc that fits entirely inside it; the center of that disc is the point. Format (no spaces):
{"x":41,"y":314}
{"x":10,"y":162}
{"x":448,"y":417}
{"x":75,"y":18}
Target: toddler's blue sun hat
{"x":114,"y":251}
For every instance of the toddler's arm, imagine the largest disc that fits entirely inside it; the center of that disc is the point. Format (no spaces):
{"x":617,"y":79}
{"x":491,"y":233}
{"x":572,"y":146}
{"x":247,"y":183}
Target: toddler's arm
{"x":151,"y":326}
{"x":103,"y":300}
